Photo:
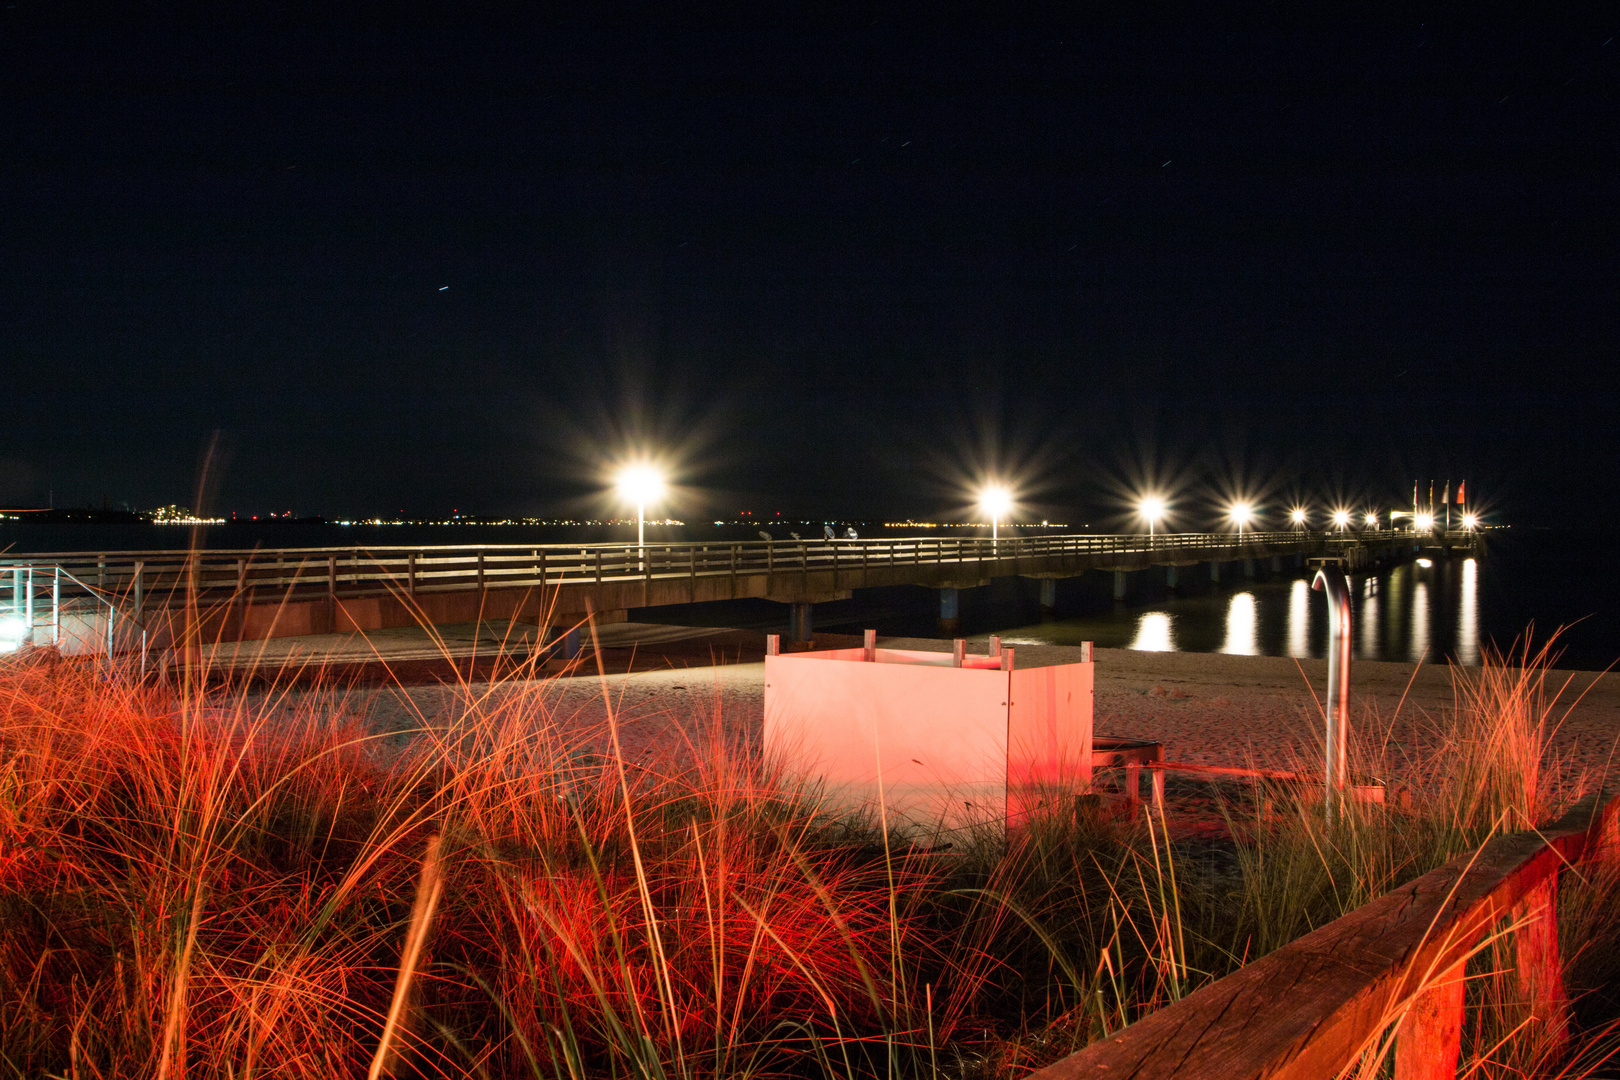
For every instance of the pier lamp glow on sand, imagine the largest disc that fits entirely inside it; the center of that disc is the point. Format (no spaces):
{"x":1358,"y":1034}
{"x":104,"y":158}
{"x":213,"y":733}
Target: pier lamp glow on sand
{"x":640,"y":484}
{"x":997,"y":501}
{"x":1150,"y":508}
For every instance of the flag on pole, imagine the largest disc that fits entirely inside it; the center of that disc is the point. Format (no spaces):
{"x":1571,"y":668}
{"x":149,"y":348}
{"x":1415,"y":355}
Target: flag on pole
{"x":1460,"y":485}
{"x":1445,"y":493}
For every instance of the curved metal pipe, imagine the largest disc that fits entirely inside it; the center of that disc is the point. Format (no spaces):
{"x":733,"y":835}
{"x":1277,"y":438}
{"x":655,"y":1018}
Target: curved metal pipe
{"x":1330,"y":580}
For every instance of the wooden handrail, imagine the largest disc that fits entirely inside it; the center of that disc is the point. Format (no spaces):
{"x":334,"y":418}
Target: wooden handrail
{"x":1309,"y":1009}
{"x":375,"y":570}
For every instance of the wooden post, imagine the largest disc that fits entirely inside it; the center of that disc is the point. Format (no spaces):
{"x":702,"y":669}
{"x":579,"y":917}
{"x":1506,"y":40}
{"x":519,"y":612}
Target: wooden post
{"x":410,"y":574}
{"x":1429,"y":1040}
{"x":480,"y":569}
{"x":1540,"y":975}
{"x":331,"y":594}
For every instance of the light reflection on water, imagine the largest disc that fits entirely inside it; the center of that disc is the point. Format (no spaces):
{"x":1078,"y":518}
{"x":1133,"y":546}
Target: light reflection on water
{"x":1419,"y":649}
{"x":1242,"y":626}
{"x":1153,"y":633}
{"x":1468,"y":614}
{"x":1299,"y":618}
{"x":1367,"y":618}
{"x":1403,"y":613}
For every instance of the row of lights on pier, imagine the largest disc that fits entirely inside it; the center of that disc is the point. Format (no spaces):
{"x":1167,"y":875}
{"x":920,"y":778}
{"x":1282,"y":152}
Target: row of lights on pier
{"x":643,"y":484}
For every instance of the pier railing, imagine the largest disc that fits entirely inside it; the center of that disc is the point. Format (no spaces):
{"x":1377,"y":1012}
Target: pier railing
{"x":141,"y":576}
{"x":1386,"y":977}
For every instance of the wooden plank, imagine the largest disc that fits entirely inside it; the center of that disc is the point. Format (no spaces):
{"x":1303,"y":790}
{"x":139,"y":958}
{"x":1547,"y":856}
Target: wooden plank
{"x":1429,"y":1041}
{"x":1539,"y":971}
{"x":1309,"y":1008}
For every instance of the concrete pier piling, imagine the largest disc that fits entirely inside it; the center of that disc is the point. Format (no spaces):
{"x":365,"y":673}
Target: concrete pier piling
{"x":1214,"y":572}
{"x":799,"y":622}
{"x":1119,"y":585}
{"x":950,"y":610}
{"x":1048,"y":598}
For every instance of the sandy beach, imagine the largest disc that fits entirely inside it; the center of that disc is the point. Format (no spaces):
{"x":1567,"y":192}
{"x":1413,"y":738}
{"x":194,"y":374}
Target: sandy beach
{"x":1204,"y":708}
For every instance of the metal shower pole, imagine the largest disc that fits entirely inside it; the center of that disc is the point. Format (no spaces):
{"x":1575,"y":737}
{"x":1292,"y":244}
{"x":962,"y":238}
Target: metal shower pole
{"x":1330,"y":580}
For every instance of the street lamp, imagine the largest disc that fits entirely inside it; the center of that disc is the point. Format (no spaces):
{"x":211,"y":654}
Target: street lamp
{"x":640,"y":484}
{"x":1423,"y":523}
{"x":995,"y":500}
{"x":1470,"y":522}
{"x":1341,"y":519}
{"x":1297,"y":516}
{"x":1370,"y":519}
{"x":1151,"y":509}
{"x":1242,"y":515}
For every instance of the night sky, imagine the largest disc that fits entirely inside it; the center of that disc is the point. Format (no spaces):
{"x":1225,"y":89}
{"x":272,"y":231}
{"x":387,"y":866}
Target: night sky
{"x":832,"y":269}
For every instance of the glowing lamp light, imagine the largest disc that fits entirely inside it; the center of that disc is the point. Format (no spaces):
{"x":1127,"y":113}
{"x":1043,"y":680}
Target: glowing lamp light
{"x":640,"y":484}
{"x":1151,"y":508}
{"x":1297,"y":515}
{"x":997,"y":501}
{"x":1242,"y":515}
{"x":1423,"y":522}
{"x":1370,"y":520}
{"x":1470,"y":522}
{"x":1341,"y":519}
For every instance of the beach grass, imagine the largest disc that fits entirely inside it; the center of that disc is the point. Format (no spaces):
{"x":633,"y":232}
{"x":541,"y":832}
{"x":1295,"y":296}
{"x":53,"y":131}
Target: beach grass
{"x":199,"y":880}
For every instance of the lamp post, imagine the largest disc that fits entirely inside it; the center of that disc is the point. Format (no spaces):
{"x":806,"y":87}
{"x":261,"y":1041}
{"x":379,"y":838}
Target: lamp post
{"x":640,"y":484}
{"x":1151,"y":509}
{"x":1341,"y":519}
{"x":1242,"y":514}
{"x":995,"y":500}
{"x":1297,"y":517}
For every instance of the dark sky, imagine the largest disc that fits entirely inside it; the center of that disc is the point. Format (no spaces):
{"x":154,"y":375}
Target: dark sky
{"x":834,"y":269}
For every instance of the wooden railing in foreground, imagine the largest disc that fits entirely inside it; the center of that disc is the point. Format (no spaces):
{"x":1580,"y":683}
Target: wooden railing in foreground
{"x":1311,"y":1008}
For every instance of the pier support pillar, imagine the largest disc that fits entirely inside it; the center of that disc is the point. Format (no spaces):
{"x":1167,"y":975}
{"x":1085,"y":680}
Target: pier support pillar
{"x":1214,"y":572}
{"x":1248,"y":569}
{"x":950,"y":610}
{"x":570,"y":642}
{"x":1119,"y":584}
{"x":1170,"y":577}
{"x":799,"y":623}
{"x":1276,"y":564}
{"x":1048,"y":598}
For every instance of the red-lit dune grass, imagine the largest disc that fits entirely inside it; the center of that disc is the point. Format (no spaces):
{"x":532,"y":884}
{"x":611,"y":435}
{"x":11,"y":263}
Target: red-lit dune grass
{"x":209,"y":882}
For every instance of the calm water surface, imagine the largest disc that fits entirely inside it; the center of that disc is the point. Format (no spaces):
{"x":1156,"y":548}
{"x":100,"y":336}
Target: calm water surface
{"x":1533,"y":582}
